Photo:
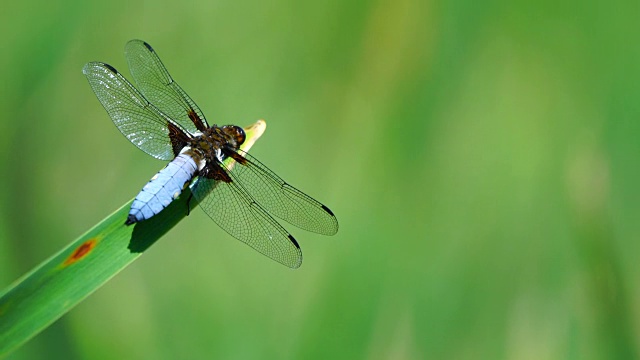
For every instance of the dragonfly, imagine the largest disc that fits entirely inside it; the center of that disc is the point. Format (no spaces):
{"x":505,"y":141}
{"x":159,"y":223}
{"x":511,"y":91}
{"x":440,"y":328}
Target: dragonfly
{"x":162,"y":120}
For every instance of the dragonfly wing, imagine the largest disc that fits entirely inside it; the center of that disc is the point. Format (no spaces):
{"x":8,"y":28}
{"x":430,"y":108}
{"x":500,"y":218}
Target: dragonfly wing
{"x":229,"y":205}
{"x":138,"y":120}
{"x":154,"y":81}
{"x":283,"y":200}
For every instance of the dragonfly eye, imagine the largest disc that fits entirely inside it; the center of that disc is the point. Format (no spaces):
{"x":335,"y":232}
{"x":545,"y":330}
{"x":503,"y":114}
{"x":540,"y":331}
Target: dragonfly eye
{"x":236,"y":132}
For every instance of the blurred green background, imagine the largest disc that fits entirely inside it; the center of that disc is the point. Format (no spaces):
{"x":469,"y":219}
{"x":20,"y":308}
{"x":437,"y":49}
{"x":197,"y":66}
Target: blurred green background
{"x":481,"y":157}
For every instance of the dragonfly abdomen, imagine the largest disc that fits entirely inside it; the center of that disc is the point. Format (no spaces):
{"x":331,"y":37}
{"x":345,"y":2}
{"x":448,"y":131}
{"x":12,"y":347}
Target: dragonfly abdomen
{"x":163,"y":188}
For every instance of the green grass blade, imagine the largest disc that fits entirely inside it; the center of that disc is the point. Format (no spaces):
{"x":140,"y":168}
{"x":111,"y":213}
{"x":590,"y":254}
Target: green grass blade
{"x":46,"y":293}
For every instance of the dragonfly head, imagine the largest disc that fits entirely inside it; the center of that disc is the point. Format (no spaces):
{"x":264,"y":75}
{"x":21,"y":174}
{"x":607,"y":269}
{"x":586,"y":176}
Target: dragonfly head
{"x":235,"y":134}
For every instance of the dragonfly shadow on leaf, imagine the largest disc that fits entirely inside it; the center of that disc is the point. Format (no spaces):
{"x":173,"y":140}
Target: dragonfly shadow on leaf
{"x":146,"y":233}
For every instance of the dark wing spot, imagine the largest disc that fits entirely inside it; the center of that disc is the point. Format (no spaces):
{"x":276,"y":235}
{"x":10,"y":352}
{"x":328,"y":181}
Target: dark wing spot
{"x":148,"y":46}
{"x":110,"y":68}
{"x":328,"y":210}
{"x":294,"y":241}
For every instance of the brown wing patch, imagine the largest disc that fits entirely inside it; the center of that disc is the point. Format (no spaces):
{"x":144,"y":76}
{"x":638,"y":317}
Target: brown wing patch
{"x":197,"y":121}
{"x":228,"y":151}
{"x":178,"y":138}
{"x":237,"y":157}
{"x":214,"y":171}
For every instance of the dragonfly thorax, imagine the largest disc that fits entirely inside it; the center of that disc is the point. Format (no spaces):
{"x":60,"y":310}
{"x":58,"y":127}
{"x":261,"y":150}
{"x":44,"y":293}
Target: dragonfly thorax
{"x":217,"y":142}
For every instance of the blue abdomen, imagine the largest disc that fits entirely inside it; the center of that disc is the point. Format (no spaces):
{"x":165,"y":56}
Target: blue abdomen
{"x":162,"y":189}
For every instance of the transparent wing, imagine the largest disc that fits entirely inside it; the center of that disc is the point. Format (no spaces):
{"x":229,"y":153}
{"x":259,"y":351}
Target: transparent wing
{"x":154,"y":81}
{"x":132,"y":114}
{"x":283,"y":200}
{"x":239,"y":215}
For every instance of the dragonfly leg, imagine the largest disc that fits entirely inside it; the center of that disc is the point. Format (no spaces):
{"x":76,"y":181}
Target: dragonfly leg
{"x":188,"y":203}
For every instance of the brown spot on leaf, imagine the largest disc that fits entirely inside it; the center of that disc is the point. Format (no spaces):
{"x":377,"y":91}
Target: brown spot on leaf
{"x":81,"y":251}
